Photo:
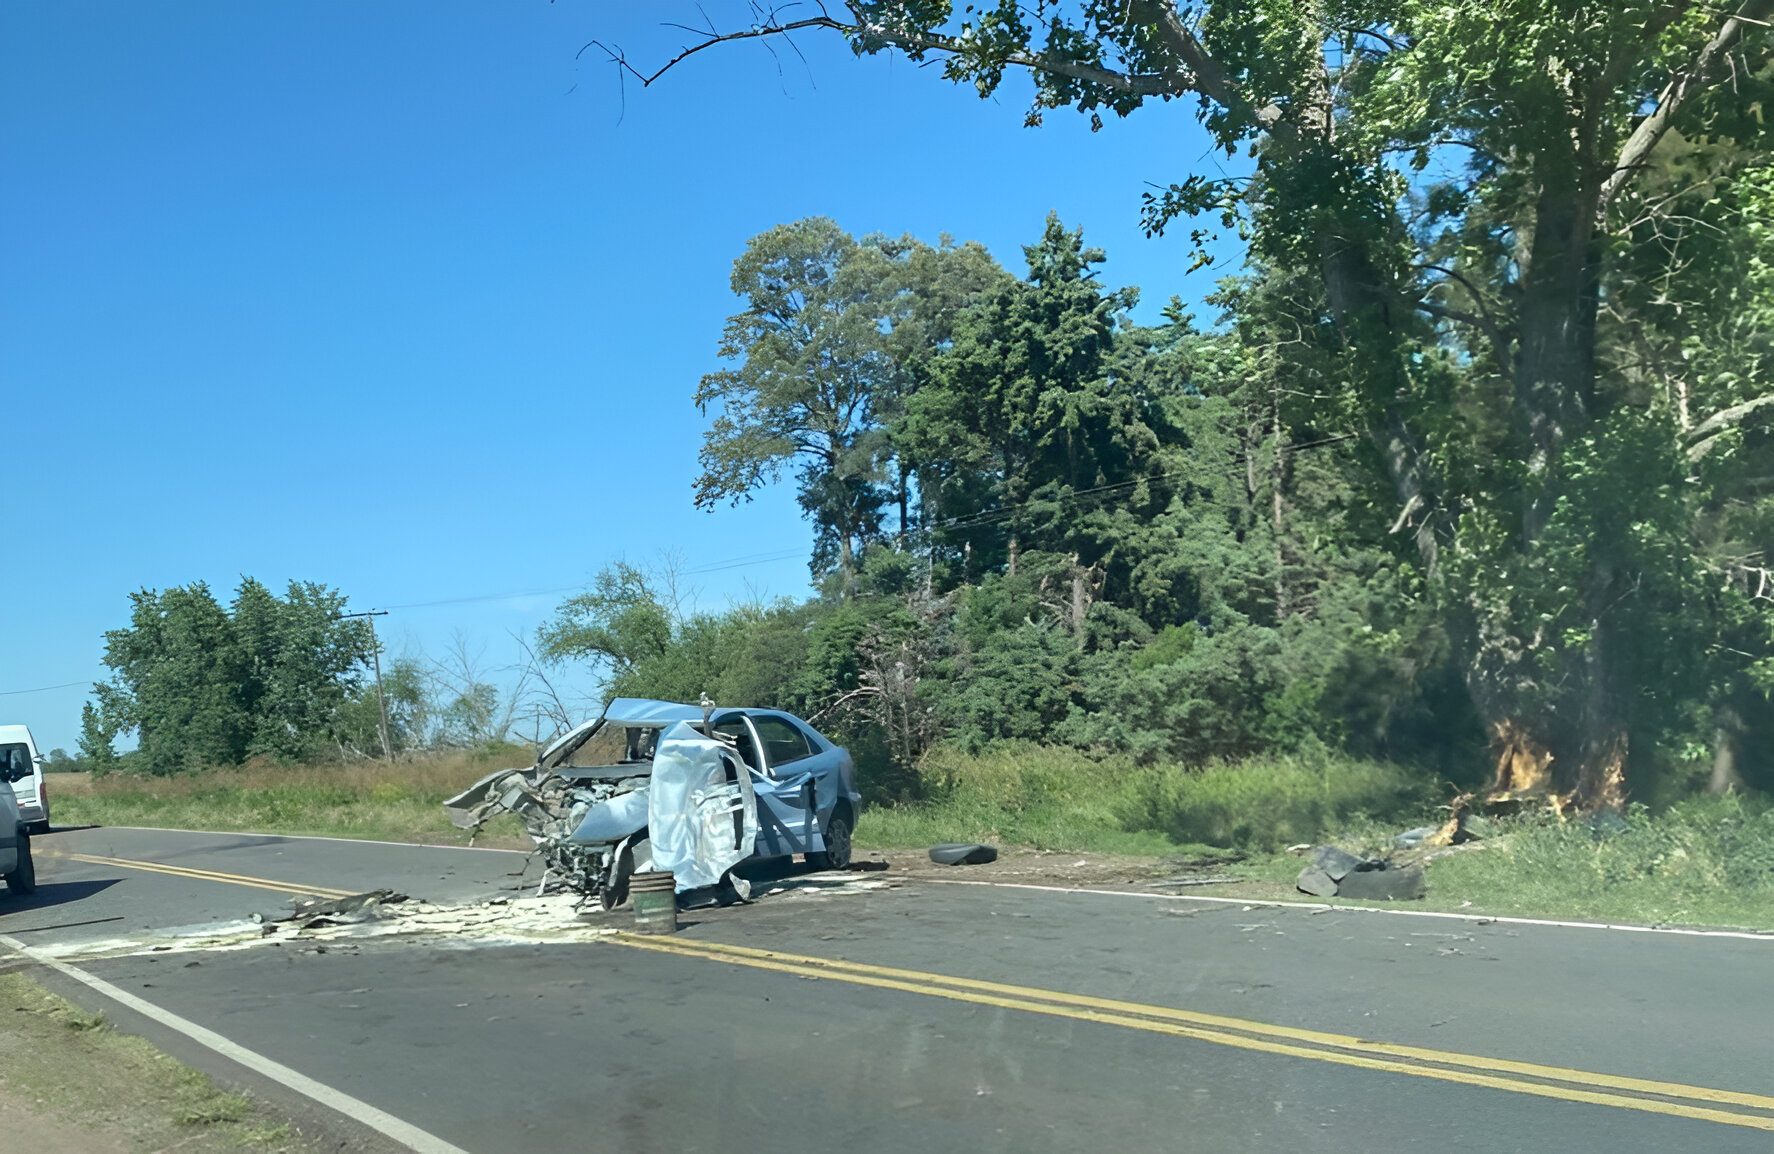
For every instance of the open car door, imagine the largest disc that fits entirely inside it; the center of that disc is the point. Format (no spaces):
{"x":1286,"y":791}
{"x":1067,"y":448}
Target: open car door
{"x":702,"y":816}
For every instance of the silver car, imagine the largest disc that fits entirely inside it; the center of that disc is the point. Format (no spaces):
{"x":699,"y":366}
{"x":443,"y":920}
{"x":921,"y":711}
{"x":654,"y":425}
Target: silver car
{"x":693,"y":789}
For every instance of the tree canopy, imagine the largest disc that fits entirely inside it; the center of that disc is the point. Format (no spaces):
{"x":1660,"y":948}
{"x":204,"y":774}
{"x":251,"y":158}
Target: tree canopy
{"x":1520,"y":253}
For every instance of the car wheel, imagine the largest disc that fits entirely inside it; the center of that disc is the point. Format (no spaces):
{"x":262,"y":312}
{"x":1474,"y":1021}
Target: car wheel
{"x":615,"y":890}
{"x":23,"y":878}
{"x":37,"y":828}
{"x":837,"y":845}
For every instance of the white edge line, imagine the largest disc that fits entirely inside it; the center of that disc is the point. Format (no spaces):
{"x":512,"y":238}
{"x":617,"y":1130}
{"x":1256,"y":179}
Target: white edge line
{"x":384,"y":1123}
{"x":1487,"y":919}
{"x":303,"y":837}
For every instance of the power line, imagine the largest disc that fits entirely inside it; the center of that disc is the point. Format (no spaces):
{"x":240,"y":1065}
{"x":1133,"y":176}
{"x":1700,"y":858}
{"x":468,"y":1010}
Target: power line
{"x":42,"y":688}
{"x":713,"y":567}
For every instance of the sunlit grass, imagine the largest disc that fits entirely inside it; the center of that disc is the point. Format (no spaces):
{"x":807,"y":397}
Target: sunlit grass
{"x":1708,"y":861}
{"x":1062,"y":799}
{"x":393,"y":801}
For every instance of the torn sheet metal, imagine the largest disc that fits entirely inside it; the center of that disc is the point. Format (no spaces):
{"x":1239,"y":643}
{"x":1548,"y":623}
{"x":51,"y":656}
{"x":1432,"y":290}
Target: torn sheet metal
{"x":554,"y":809}
{"x":702,"y":816}
{"x":695,"y":792}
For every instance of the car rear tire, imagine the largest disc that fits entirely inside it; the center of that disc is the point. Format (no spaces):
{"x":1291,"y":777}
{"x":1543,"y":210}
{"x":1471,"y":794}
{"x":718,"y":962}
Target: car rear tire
{"x":23,"y":879}
{"x":837,"y":845}
{"x":615,"y":890}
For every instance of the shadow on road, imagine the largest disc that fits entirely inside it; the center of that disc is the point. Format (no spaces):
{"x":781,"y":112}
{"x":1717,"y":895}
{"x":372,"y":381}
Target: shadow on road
{"x":50,"y":894}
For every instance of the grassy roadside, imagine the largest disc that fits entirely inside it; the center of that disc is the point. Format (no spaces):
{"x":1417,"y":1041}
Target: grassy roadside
{"x":70,"y":1082}
{"x":1705,"y":862}
{"x":386,"y":801}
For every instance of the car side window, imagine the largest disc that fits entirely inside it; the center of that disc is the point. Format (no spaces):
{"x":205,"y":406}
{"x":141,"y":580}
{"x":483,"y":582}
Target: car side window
{"x":783,"y":742}
{"x":734,"y":726}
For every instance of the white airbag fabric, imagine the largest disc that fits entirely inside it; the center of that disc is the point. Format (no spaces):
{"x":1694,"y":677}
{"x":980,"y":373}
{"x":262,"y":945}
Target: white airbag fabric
{"x":698,"y":786}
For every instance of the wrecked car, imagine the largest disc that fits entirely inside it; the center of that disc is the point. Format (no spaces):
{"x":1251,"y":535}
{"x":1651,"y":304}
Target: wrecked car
{"x":659,"y":785}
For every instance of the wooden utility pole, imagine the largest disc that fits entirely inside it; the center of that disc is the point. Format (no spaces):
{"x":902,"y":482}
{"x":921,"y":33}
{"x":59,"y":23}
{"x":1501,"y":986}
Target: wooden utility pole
{"x":376,"y":656}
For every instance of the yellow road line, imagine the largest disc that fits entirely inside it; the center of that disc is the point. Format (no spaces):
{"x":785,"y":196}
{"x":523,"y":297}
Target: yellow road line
{"x":1342,"y":1050}
{"x":211,"y":876}
{"x":1217,"y":1021}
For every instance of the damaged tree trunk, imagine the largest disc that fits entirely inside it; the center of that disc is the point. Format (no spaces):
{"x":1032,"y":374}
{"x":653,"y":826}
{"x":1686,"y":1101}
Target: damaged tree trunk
{"x":1725,"y":777}
{"x":1524,"y":763}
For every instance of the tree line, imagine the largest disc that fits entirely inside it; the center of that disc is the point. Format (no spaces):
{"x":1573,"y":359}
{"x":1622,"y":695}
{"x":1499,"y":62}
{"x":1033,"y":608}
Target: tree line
{"x":286,"y":679}
{"x":1470,"y":468}
{"x":1519,"y":256}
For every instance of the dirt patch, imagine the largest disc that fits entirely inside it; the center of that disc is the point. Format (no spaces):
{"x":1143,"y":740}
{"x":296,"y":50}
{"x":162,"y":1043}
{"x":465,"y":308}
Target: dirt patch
{"x":71,"y":1084}
{"x":1049,"y":867}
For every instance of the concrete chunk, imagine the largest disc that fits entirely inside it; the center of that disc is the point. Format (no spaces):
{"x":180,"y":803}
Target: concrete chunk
{"x":1316,"y":882}
{"x":1383,"y":885}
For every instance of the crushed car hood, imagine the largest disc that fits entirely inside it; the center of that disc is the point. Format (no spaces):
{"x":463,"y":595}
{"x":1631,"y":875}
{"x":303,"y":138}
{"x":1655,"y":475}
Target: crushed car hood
{"x":694,"y":802}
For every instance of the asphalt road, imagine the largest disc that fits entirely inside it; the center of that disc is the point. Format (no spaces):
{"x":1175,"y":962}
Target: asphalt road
{"x":944,"y":1017}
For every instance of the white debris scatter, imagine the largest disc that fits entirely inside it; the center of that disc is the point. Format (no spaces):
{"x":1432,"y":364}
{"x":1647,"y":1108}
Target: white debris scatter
{"x":551,"y":919}
{"x":498,"y":921}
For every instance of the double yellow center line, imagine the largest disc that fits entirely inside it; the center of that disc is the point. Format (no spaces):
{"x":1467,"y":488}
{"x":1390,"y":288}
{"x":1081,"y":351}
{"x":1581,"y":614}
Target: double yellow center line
{"x":210,"y":876}
{"x":1671,"y":1098}
{"x":1700,"y":1103}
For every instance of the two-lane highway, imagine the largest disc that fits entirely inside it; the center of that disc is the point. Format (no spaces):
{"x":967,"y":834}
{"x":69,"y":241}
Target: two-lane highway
{"x":944,"y":1016}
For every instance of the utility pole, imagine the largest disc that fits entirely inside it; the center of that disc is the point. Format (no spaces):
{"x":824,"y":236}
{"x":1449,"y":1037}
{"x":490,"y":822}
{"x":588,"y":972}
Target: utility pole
{"x":376,"y":656}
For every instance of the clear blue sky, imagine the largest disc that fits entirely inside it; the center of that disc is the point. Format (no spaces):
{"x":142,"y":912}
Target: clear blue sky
{"x":402,"y":298}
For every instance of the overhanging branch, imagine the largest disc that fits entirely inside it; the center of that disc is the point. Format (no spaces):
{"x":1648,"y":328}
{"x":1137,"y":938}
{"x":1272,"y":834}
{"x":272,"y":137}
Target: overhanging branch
{"x":1697,"y":76}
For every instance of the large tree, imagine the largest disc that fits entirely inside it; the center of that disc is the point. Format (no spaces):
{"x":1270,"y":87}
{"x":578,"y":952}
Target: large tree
{"x":203,"y":685}
{"x":1473,"y":233}
{"x":826,"y":346}
{"x":1023,"y":418}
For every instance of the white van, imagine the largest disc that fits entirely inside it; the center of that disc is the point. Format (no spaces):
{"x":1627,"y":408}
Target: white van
{"x":21,"y":764}
{"x":15,"y":843}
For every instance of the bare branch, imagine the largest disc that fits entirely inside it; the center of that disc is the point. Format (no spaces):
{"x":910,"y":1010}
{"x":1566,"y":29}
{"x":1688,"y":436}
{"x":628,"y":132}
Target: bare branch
{"x":1701,"y":437}
{"x":1194,"y":70}
{"x":1695,"y":77}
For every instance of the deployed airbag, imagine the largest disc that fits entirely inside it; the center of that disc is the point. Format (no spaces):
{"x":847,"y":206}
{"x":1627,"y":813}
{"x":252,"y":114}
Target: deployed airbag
{"x":702,"y":817}
{"x":612,"y":820}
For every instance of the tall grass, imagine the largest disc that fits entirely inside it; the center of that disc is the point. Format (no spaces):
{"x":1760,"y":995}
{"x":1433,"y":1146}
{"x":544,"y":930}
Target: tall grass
{"x":1702,"y":861}
{"x":395,"y":801}
{"x":1063,"y":799}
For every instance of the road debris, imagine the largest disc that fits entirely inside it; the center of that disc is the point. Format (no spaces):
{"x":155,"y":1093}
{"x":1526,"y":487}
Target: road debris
{"x":1336,"y":872}
{"x":964,"y":854}
{"x":356,"y":909}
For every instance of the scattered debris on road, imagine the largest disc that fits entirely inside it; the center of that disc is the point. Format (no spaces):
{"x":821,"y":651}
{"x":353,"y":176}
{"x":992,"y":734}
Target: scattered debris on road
{"x":552,"y":919}
{"x":314,"y":913}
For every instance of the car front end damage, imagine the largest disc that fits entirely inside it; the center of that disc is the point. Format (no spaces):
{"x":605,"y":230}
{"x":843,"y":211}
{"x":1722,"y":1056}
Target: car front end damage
{"x":677,"y":800}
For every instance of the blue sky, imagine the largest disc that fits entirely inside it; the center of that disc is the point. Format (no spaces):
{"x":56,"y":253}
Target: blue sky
{"x":403,"y":298}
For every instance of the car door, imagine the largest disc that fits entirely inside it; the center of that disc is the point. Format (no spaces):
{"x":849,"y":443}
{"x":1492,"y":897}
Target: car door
{"x":786,"y":799}
{"x":822,"y":759}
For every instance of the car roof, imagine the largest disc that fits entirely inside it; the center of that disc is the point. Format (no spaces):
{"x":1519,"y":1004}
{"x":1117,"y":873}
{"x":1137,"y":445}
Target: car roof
{"x":629,"y":712}
{"x":641,"y":711}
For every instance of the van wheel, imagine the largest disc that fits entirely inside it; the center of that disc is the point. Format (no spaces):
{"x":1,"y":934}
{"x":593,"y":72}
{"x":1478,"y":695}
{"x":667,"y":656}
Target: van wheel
{"x":23,"y":879}
{"x":837,"y":845}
